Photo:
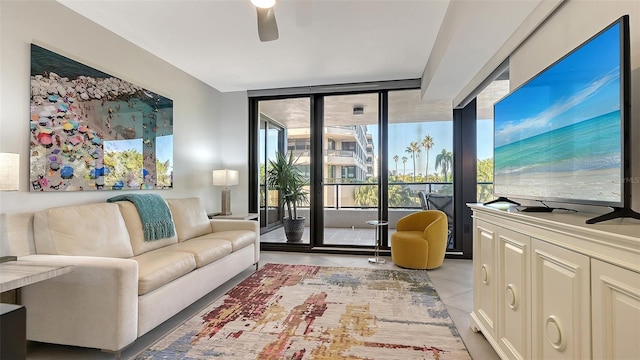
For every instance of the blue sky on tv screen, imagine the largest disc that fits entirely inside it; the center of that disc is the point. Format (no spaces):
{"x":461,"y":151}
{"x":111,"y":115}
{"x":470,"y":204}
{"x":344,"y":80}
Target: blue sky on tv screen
{"x":581,"y":86}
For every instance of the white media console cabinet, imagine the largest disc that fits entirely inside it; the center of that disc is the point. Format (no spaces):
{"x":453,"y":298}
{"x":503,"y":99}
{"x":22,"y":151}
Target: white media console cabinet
{"x":549,"y":286}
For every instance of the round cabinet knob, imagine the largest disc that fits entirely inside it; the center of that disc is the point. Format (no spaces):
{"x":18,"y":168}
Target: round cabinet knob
{"x":554,"y":333}
{"x":511,"y":297}
{"x":485,"y":274}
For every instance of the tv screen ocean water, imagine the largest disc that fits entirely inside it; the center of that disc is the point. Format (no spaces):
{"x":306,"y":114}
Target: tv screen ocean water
{"x":559,"y":136}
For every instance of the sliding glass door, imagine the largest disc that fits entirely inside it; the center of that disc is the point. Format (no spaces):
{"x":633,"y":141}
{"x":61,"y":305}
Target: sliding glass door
{"x":284,"y":128}
{"x":376,"y":155}
{"x":350,"y":171}
{"x":420,"y":157}
{"x":271,"y":141}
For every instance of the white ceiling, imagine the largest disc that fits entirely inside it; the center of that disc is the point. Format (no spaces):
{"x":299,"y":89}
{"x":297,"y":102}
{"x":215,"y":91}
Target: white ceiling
{"x":321,"y":41}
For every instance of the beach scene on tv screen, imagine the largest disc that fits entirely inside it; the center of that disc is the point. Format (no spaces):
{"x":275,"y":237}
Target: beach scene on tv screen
{"x":559,"y":135}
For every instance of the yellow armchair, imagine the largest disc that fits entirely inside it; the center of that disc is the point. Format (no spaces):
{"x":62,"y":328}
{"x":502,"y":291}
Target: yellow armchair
{"x":420,"y":240}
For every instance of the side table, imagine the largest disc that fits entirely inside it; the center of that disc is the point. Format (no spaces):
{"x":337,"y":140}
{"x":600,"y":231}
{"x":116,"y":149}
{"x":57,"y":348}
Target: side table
{"x":249,"y":216}
{"x":377,"y":224}
{"x":13,"y":329}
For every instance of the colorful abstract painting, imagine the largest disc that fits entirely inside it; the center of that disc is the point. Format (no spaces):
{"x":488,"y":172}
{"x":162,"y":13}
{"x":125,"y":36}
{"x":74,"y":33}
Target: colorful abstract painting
{"x":313,"y":312}
{"x":93,"y":131}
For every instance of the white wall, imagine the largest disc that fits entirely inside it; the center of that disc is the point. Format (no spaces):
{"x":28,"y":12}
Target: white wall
{"x":210,"y":128}
{"x":571,"y":24}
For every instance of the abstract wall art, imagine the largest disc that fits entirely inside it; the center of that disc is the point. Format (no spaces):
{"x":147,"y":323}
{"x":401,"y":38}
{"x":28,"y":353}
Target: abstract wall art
{"x":93,"y":131}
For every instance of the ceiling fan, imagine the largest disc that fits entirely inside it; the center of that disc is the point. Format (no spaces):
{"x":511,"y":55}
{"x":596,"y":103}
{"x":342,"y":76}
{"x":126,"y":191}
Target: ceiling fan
{"x":267,"y":26}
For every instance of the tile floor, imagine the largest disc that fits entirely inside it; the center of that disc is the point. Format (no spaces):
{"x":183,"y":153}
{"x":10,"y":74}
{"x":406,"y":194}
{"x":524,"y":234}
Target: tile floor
{"x":453,"y":281}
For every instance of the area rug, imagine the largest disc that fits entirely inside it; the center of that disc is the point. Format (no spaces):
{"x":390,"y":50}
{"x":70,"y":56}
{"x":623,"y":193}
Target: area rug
{"x":315,"y":312}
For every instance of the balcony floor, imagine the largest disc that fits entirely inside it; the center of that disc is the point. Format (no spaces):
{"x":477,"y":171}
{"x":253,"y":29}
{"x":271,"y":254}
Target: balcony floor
{"x":332,"y":236}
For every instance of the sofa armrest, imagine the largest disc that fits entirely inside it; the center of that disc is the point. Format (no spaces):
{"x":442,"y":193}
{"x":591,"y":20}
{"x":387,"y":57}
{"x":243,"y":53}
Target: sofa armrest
{"x":95,"y":305}
{"x":227,"y":225}
{"x":249,"y":225}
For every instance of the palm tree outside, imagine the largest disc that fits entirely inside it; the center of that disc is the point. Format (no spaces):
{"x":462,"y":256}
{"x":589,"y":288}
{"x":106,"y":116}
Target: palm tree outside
{"x":404,"y":165}
{"x":395,"y":159}
{"x":428,"y":144}
{"x":444,"y":160}
{"x":412,"y":149}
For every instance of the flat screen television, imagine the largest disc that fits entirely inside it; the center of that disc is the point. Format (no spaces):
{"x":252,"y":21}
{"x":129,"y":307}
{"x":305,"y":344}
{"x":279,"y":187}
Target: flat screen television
{"x":563,"y":136}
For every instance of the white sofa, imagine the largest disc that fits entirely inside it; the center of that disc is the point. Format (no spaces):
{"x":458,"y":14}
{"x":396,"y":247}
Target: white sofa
{"x":122,"y":286}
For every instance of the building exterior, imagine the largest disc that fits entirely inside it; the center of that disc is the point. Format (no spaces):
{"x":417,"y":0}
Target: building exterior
{"x":348,"y":153}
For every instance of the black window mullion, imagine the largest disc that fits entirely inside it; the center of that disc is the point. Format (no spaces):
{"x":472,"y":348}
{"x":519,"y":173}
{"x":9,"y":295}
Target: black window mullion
{"x":316,"y":222}
{"x":383,"y":166}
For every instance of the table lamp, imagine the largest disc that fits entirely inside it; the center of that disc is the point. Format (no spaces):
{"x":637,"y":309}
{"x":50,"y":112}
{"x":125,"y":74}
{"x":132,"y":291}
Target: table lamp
{"x":225,"y":178}
{"x":9,"y":181}
{"x":9,"y":172}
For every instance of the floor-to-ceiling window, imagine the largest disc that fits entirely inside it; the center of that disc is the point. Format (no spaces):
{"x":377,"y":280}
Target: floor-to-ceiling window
{"x":350,"y":180}
{"x":367,"y":154}
{"x":420,"y":156}
{"x":496,"y":90}
{"x":284,"y":127}
{"x":271,"y":141}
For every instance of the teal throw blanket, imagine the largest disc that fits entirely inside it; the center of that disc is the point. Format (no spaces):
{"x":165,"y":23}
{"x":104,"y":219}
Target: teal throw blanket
{"x":154,"y":214}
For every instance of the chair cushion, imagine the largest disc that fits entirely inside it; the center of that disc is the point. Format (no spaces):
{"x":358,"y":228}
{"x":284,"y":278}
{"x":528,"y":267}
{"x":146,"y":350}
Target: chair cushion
{"x":239,"y":238}
{"x":84,"y":230}
{"x":409,"y":249}
{"x":205,"y":250}
{"x":189,"y":217}
{"x":136,"y":233}
{"x":158,"y":267}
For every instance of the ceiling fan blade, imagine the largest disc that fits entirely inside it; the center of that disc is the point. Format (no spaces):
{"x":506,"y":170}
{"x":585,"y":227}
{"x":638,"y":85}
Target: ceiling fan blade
{"x":267,"y":26}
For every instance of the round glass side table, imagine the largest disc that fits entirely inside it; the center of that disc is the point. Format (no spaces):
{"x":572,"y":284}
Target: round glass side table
{"x":377,"y":224}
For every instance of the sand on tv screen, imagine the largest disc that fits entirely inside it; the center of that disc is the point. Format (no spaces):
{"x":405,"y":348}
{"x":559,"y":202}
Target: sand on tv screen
{"x":558,"y":136}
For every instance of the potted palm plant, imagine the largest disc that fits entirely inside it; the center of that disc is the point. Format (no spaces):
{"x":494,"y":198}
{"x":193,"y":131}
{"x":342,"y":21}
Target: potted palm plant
{"x":285,"y":177}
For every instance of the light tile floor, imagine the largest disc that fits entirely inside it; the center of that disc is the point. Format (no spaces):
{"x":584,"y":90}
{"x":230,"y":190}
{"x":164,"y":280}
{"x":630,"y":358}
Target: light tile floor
{"x":453,"y":282}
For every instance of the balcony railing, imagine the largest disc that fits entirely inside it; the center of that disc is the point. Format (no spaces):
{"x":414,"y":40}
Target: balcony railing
{"x":402,"y":195}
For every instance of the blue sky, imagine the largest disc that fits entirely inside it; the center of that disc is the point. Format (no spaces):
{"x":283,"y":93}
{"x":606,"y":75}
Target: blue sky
{"x":164,"y":147}
{"x":401,"y":135}
{"x":581,"y":86}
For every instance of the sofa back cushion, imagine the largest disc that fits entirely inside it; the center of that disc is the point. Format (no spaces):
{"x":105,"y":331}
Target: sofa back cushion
{"x":16,"y":234}
{"x":136,"y":233}
{"x":189,"y":217}
{"x":87,"y":230}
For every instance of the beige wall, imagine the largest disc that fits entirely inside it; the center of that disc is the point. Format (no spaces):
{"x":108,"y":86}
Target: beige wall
{"x":571,"y":24}
{"x":209,"y":127}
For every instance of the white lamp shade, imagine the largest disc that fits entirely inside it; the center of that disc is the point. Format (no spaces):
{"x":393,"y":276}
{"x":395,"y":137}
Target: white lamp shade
{"x":264,"y":4}
{"x":225,"y":177}
{"x":9,"y":172}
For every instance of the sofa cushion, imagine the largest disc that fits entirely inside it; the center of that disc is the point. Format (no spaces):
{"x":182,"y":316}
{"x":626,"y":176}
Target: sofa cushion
{"x":86,"y":230}
{"x":189,"y":218}
{"x":136,"y":232}
{"x":158,"y":267}
{"x":239,"y":238}
{"x":205,"y":250}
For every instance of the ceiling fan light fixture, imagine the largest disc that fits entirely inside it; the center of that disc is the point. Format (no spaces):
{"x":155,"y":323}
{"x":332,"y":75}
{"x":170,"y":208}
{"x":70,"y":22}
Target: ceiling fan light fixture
{"x":263,"y":4}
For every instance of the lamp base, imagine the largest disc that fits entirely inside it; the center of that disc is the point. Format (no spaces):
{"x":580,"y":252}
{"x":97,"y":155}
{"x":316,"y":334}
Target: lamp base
{"x":226,"y":202}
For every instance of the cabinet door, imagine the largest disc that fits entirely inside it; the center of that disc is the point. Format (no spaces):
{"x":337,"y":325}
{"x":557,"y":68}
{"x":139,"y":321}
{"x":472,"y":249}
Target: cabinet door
{"x":513,"y":294}
{"x":561,"y":306}
{"x":485,"y":305}
{"x":615,"y":311}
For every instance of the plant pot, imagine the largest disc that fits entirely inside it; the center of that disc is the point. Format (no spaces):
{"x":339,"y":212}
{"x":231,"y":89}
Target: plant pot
{"x":293,"y":229}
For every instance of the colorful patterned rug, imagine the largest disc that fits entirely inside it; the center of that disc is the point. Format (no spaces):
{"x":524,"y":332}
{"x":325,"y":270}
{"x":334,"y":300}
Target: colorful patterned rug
{"x":313,"y":312}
